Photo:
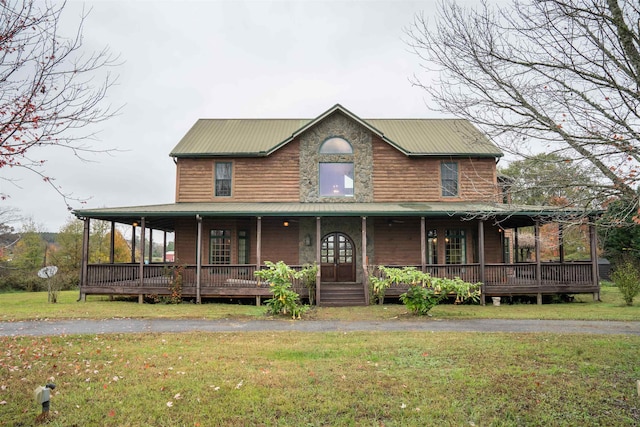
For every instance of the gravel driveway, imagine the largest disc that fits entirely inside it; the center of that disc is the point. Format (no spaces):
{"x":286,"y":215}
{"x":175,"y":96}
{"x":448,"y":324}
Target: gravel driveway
{"x":109,"y":326}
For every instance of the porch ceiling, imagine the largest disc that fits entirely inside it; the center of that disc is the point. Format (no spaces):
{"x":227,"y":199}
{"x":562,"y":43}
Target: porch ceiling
{"x":163,"y":217}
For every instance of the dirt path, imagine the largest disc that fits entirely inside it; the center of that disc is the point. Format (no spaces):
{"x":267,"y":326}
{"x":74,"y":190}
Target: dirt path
{"x":109,"y":326}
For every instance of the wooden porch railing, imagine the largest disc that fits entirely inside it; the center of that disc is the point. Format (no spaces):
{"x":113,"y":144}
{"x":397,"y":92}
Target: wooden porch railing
{"x":518,"y":278}
{"x":157,"y":275}
{"x":500,"y":279}
{"x":467,"y":272}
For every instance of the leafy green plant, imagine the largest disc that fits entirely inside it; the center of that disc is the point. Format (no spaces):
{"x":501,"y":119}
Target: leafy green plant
{"x":626,"y":276}
{"x":285,"y":300}
{"x":175,"y":284}
{"x":391,"y":276}
{"x":425,"y":292}
{"x":421,"y":298}
{"x":308,"y":276}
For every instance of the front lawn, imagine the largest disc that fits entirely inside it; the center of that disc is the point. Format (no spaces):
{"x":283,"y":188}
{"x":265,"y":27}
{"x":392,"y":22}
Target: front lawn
{"x":27,"y":305}
{"x":321,"y":379}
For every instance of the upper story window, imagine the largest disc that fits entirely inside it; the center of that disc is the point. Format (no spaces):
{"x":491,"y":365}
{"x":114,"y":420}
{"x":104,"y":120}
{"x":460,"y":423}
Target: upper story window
{"x":336,"y":179}
{"x":449,"y":179}
{"x":336,"y":145}
{"x":223,"y":179}
{"x":336,"y":171}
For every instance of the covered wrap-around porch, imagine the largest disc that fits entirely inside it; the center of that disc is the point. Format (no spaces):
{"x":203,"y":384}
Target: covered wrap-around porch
{"x":234,"y":280}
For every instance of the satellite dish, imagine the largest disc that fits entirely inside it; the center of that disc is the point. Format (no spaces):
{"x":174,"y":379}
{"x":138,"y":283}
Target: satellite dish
{"x":47,"y":272}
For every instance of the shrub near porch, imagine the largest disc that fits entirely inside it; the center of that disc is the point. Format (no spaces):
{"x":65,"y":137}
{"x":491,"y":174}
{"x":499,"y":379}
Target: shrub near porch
{"x":425,"y":292}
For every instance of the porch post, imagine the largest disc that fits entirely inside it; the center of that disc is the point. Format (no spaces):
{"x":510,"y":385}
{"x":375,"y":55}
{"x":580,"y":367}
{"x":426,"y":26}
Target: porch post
{"x":594,"y":260}
{"x":536,"y":229}
{"x":561,"y":242}
{"x":365,"y":267}
{"x":423,"y":244}
{"x":150,"y":245}
{"x":318,"y":259}
{"x":133,"y":243}
{"x":516,"y":249}
{"x":258,"y":243}
{"x":258,"y":250}
{"x":85,"y":260}
{"x":481,"y":258}
{"x":142,"y":237}
{"x":198,"y":259}
{"x":112,"y":251}
{"x":164,"y":248}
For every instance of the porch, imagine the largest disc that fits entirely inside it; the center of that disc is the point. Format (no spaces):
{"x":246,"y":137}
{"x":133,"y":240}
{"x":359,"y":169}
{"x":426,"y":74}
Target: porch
{"x":220,"y":246}
{"x":238,"y":281}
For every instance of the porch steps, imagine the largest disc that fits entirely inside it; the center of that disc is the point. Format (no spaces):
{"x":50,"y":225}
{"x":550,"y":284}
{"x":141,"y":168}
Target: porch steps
{"x":341,"y":294}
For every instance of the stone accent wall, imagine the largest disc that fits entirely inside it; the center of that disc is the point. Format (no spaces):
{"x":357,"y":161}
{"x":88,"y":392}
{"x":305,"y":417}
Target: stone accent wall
{"x":336,"y":125}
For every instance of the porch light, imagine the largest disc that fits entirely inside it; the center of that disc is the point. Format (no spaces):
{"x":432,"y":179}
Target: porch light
{"x":307,"y":240}
{"x":285,"y":223}
{"x":135,"y":224}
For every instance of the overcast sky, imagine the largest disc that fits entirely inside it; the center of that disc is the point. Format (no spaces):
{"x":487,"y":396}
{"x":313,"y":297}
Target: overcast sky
{"x":223,"y":59}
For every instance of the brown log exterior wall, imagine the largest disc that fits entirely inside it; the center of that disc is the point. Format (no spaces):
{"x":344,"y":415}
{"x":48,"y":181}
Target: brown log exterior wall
{"x":257,"y":179}
{"x":397,"y":240}
{"x":398,"y":178}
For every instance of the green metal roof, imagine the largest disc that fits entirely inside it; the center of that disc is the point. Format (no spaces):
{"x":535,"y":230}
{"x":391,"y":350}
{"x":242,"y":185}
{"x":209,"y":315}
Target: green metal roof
{"x":163,"y":216}
{"x":259,"y":137}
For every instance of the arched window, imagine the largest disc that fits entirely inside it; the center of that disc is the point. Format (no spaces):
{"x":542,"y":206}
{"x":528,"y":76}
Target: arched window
{"x":336,"y":145}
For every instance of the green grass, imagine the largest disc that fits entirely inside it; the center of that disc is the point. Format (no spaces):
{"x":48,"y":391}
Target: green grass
{"x":26,"y":306}
{"x":318,"y":379}
{"x":307,"y":379}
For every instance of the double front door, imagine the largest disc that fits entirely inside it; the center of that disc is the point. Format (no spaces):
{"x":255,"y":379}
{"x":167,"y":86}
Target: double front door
{"x":338,"y":258}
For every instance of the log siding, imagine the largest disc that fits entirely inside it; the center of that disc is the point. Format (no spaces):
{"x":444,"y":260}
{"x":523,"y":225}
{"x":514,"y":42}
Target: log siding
{"x":399,"y":178}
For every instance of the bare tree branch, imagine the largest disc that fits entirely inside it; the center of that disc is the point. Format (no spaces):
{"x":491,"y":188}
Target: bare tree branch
{"x":50,"y":90}
{"x":552,"y":76}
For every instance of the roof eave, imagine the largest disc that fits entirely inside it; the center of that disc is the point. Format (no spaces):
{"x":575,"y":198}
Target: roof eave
{"x":474,"y":155}
{"x":212,"y":155}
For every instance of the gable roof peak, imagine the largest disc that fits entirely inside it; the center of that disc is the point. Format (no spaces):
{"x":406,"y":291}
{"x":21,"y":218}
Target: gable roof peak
{"x":261,"y":137}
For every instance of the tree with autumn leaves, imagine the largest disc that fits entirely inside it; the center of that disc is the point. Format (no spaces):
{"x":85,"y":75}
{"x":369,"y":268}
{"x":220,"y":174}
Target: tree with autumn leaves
{"x":560,"y":77}
{"x":31,"y":252}
{"x":51,"y":91}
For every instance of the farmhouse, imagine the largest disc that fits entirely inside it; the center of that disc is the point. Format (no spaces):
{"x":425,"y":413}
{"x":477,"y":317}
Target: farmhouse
{"x":347,"y":193}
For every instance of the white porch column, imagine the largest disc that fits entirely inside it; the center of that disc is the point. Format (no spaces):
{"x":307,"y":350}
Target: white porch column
{"x":198,"y":259}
